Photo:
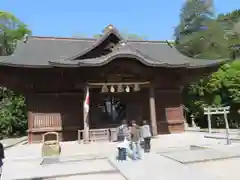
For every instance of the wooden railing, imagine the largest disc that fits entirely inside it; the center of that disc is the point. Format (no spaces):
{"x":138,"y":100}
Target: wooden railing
{"x":46,"y":121}
{"x":96,"y":135}
{"x":99,"y":134}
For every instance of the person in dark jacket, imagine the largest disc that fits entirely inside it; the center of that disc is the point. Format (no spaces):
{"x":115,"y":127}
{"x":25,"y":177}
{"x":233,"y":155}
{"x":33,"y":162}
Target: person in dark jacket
{"x":135,"y":140}
{"x":1,"y":157}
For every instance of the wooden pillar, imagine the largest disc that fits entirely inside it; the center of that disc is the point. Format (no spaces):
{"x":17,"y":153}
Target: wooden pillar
{"x":30,"y":127}
{"x":86,"y":107}
{"x":153,"y":110}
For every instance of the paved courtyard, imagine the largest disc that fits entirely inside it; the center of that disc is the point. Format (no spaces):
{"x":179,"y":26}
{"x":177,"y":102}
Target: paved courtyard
{"x":161,"y":143}
{"x":227,"y":169}
{"x":187,"y":155}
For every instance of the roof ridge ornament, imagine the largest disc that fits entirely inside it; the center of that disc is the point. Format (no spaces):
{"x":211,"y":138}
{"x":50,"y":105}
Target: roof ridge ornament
{"x":108,"y":28}
{"x":123,"y":42}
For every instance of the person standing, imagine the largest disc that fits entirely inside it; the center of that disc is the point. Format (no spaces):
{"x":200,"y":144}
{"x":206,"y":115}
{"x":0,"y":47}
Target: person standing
{"x":146,"y":134}
{"x":122,"y":131}
{"x":135,"y":140}
{"x":1,"y":157}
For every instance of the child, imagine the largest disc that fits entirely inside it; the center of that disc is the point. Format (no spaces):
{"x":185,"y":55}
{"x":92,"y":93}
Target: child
{"x":122,"y":149}
{"x":146,"y":134}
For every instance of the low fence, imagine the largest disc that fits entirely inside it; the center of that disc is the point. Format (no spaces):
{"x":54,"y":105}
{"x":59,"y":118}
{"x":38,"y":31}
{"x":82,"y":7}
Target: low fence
{"x":96,"y":135}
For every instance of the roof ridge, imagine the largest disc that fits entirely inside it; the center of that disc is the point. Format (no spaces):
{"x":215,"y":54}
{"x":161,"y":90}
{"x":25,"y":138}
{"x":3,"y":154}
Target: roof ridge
{"x":148,"y":41}
{"x":62,"y":38}
{"x":91,"y":39}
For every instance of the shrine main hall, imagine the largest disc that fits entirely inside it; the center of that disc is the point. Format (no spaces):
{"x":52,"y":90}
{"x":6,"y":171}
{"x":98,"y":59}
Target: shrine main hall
{"x":127,"y":80}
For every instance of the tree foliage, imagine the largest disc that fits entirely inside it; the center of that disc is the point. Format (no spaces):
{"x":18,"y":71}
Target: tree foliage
{"x":11,"y":30}
{"x":13,"y":121}
{"x":202,"y":34}
{"x":198,"y":33}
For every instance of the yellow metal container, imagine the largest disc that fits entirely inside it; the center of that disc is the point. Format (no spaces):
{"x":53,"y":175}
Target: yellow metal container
{"x":51,"y":147}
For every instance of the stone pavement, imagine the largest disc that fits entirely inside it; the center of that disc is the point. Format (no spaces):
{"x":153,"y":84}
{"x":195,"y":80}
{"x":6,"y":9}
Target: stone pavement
{"x":209,"y":153}
{"x":214,"y":131}
{"x":157,"y":167}
{"x":223,"y":170}
{"x":161,"y":143}
{"x":34,"y":169}
{"x":9,"y":142}
{"x":232,"y":137}
{"x":152,"y":166}
{"x":112,"y":176}
{"x":77,"y":159}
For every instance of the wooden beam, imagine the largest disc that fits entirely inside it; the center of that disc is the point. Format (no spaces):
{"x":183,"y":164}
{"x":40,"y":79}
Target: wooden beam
{"x":59,"y":93}
{"x":117,"y":83}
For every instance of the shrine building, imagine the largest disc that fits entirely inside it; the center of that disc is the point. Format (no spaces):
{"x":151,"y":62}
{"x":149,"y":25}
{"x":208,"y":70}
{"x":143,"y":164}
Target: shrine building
{"x":127,"y":80}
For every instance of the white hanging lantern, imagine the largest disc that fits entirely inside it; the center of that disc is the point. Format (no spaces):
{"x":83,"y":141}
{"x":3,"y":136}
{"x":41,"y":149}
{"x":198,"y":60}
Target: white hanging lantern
{"x":127,"y":89}
{"x":112,"y":89}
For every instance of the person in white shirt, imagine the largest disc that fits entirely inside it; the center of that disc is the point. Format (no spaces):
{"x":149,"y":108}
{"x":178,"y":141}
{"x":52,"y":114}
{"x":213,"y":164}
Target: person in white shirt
{"x":146,"y":134}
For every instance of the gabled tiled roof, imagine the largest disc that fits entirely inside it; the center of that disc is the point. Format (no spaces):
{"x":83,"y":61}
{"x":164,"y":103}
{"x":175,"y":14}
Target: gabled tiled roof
{"x":48,"y":52}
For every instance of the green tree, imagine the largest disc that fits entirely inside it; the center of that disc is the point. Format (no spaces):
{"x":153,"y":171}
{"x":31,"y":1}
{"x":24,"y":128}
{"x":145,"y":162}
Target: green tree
{"x":230,"y":20}
{"x":231,"y":24}
{"x":198,"y":33}
{"x":11,"y":30}
{"x":13,"y":121}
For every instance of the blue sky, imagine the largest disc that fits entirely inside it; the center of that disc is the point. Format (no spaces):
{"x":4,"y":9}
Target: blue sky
{"x":154,"y":19}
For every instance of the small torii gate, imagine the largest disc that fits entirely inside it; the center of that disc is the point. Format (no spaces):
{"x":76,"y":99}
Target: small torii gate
{"x":209,"y":111}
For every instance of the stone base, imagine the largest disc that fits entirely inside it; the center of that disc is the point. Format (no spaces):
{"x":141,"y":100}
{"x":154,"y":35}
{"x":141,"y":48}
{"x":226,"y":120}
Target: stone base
{"x":171,"y":127}
{"x":193,"y":128}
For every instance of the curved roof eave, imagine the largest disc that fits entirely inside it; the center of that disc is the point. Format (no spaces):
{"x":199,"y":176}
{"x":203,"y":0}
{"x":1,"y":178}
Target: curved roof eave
{"x":97,"y":62}
{"x":102,"y":38}
{"x":209,"y":65}
{"x":81,"y":64}
{"x":15,"y":65}
{"x":126,"y":51}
